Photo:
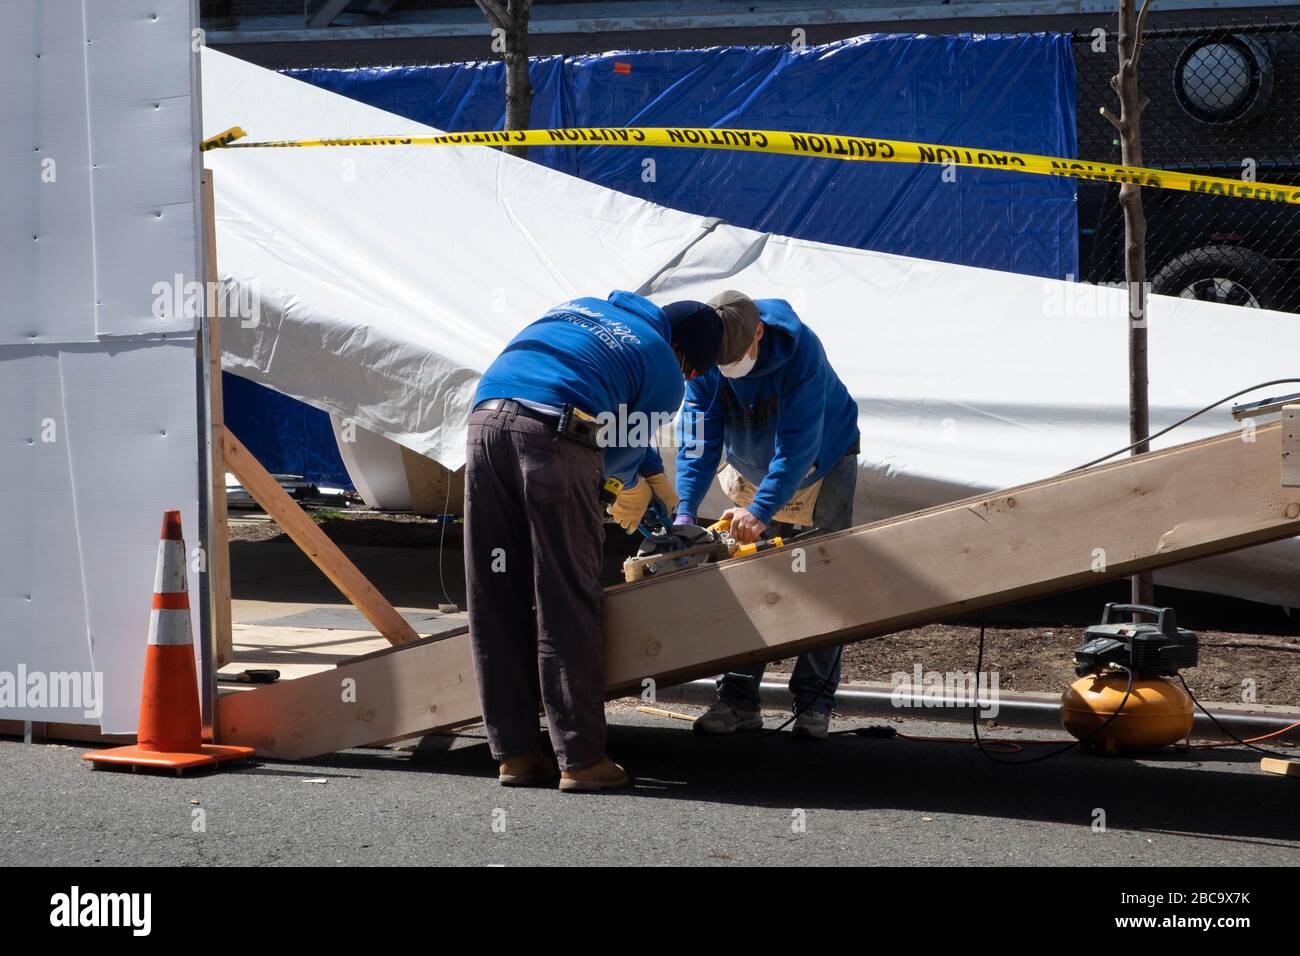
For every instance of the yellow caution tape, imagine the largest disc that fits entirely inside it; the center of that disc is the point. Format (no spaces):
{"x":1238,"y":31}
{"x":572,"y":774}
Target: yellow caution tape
{"x":224,"y":138}
{"x":818,"y":145}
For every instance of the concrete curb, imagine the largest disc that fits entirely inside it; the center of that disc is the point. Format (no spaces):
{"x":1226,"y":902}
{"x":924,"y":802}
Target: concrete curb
{"x":1037,"y":710}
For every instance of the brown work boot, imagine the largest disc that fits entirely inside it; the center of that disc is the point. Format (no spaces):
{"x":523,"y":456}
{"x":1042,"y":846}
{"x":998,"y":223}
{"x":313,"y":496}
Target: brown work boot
{"x":604,"y":774}
{"x":528,"y":770}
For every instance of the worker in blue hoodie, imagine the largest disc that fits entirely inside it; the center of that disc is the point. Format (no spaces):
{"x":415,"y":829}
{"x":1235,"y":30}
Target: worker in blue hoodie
{"x":789,"y":428}
{"x":566,"y":413}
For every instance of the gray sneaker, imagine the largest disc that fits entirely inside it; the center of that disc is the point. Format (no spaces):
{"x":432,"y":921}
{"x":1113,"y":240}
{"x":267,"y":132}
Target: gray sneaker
{"x":723,"y":718}
{"x":812,"y":724}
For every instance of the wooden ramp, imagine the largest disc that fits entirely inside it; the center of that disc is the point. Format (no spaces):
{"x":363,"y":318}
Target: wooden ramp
{"x":1160,"y":509}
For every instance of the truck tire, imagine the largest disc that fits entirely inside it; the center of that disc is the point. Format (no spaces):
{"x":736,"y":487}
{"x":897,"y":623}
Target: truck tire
{"x":1228,"y":274}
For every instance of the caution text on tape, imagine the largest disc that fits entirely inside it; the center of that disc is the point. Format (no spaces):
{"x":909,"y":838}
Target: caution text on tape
{"x":815,"y":145}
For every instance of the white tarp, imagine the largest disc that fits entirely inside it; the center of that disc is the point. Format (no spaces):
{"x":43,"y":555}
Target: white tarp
{"x":389,"y":278}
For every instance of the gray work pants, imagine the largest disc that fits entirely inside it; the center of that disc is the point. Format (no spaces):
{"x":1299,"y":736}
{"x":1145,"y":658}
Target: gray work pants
{"x":816,"y":673}
{"x":533,"y":548}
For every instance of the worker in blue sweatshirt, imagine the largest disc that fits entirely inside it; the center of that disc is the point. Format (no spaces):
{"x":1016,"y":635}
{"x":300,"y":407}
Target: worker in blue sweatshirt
{"x":789,"y":428}
{"x":538,"y":458}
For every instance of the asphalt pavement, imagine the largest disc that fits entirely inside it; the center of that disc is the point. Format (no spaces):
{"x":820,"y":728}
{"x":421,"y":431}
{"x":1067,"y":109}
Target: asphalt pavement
{"x":850,"y":800}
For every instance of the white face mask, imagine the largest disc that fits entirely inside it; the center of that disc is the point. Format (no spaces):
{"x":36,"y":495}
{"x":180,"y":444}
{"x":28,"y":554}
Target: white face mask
{"x":739,"y":369}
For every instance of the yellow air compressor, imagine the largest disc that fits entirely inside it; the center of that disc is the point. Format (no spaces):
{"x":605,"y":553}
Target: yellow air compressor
{"x":1158,"y":711}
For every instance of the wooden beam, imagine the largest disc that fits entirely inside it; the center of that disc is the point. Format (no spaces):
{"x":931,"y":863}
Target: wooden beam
{"x":219,"y":559}
{"x":1287,"y":768}
{"x":257,"y":481}
{"x":1153,"y":511}
{"x":383,"y":697}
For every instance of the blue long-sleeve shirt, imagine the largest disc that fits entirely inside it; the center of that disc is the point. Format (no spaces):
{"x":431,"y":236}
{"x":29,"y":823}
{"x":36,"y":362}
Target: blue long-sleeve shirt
{"x":608,"y":357}
{"x":783,"y":426}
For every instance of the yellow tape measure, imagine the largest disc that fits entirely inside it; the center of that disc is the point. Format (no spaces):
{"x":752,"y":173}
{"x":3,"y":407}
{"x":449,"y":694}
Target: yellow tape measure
{"x":815,"y":145}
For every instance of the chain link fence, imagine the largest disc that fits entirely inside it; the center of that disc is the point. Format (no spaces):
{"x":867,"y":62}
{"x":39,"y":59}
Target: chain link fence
{"x":1224,"y":100}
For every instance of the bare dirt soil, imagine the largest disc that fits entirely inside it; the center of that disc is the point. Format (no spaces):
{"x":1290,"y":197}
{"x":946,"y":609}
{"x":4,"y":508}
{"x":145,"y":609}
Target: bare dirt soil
{"x":1041,"y":659}
{"x":391,"y":530}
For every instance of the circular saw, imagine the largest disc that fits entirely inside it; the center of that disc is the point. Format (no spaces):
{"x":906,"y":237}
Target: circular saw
{"x":669,"y":548}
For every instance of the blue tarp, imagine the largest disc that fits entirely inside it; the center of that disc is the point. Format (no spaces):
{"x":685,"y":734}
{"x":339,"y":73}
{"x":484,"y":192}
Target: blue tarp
{"x":287,"y":436}
{"x":1012,"y":92}
{"x":1006,"y":92}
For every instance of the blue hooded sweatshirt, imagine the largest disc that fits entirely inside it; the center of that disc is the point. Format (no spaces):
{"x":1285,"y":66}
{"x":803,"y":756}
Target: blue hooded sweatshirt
{"x":784,"y":425}
{"x":607,"y":357}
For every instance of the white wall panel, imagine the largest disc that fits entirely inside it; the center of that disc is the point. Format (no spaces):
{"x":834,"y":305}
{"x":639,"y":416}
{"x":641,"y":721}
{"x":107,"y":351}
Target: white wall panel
{"x":47,"y":276}
{"x":97,"y":163}
{"x":102,"y":88}
{"x":133,"y":455}
{"x":138,"y":63}
{"x":42,"y":615}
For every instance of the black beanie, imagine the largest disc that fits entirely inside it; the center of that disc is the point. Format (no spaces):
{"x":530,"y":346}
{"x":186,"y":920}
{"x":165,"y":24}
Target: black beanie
{"x":697,"y":332}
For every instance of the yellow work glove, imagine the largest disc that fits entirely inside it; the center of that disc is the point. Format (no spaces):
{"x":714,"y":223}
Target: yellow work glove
{"x":663,"y":489}
{"x":629,"y":507}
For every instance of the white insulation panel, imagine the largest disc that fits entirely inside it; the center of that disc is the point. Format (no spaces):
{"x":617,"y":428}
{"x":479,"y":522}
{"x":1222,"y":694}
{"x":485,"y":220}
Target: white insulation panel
{"x":97,"y":206}
{"x":47,"y":254}
{"x":138,"y":62}
{"x":134,"y":454}
{"x":42,"y":607}
{"x":98,"y":419}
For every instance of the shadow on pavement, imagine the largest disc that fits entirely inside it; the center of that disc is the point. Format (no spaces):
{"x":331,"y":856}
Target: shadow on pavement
{"x":1194,"y":794}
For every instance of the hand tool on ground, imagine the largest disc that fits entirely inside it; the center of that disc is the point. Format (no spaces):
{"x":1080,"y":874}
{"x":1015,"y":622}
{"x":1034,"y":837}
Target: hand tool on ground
{"x":252,"y":676}
{"x":677,"y":547}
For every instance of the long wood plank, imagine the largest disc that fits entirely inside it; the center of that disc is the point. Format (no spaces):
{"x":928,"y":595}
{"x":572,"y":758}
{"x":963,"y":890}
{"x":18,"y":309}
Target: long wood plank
{"x":1286,"y":768}
{"x":1157,"y":510}
{"x":324,"y":553}
{"x":219,"y":558}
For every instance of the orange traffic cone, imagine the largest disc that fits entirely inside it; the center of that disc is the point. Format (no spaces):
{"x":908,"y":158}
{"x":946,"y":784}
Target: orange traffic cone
{"x":170,"y":733}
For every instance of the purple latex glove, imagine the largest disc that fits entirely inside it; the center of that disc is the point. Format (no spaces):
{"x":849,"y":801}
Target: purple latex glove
{"x":684,"y":519}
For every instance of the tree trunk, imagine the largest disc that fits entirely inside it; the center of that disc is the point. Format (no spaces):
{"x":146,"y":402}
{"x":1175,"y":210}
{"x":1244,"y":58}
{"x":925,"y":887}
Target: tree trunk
{"x":1129,"y":124}
{"x":519,"y":88}
{"x":511,"y":19}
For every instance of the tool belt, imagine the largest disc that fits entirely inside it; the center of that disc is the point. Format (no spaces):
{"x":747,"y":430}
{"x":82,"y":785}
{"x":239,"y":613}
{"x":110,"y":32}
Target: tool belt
{"x":797,"y":511}
{"x":572,"y":423}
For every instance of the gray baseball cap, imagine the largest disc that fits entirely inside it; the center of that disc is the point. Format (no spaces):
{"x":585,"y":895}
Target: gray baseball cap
{"x":739,"y":317}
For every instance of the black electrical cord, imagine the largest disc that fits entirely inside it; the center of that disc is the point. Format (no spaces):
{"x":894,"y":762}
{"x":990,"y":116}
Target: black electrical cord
{"x":975,"y":719}
{"x":442,"y":534}
{"x":1225,"y":730}
{"x":1184,"y":421}
{"x":825,"y":686}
